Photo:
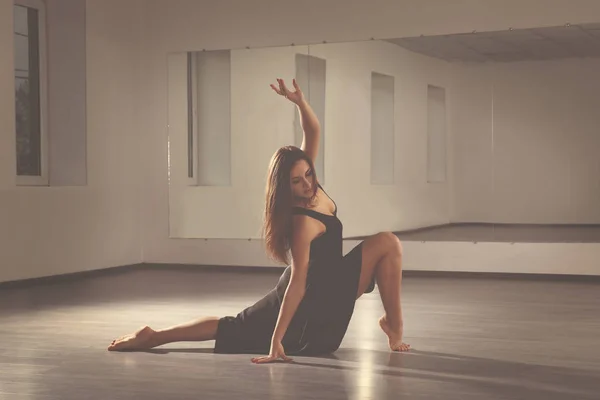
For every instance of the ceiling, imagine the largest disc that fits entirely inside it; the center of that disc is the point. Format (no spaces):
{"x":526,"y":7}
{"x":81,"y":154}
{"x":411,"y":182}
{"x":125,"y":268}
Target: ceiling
{"x":568,"y":41}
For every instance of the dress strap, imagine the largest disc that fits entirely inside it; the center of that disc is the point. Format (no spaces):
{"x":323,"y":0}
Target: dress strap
{"x":310,"y":213}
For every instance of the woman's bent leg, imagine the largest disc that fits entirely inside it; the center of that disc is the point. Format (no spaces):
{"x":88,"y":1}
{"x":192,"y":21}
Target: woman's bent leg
{"x":382,"y":259}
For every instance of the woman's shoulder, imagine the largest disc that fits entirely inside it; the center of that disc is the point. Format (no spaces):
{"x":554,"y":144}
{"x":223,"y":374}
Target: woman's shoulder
{"x":305,"y":224}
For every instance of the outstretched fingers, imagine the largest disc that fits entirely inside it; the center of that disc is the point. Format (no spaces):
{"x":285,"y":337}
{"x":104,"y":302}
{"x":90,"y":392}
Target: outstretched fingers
{"x":263,"y":360}
{"x":295,"y":96}
{"x":276,"y":90}
{"x":269,"y":359}
{"x":282,"y":87}
{"x":282,"y":90}
{"x":295,"y":84}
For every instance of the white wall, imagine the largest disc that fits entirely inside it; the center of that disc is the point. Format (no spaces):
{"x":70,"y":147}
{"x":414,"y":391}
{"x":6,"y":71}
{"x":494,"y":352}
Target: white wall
{"x":127,"y":115}
{"x":67,"y":92}
{"x":181,"y":25}
{"x":53,"y":230}
{"x":260,"y":123}
{"x":363,"y":207}
{"x":195,"y":25}
{"x":526,"y":142}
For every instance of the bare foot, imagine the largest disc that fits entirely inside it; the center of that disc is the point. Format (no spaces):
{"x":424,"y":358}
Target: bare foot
{"x":140,"y":340}
{"x":394,"y":339}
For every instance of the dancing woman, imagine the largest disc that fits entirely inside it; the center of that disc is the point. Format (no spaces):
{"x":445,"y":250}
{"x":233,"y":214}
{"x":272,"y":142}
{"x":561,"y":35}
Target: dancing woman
{"x":308,"y":311}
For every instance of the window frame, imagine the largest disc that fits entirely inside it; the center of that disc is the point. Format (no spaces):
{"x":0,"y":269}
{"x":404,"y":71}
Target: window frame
{"x":443,"y":179}
{"x":192,"y":132}
{"x":43,"y":178}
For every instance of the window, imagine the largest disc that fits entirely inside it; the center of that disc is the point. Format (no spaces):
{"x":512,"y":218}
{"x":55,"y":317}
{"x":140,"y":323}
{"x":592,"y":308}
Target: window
{"x":436,"y":134}
{"x":382,"y":129}
{"x":30,"y":92}
{"x":208,"y":116}
{"x":311,"y":74}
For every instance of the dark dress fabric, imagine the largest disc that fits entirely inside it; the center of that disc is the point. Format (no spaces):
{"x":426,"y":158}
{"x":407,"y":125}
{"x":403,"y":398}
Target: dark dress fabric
{"x":321,"y":320}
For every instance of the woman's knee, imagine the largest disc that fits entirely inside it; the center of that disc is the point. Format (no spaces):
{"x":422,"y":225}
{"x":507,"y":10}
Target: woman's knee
{"x":391,"y":242}
{"x":381,"y":245}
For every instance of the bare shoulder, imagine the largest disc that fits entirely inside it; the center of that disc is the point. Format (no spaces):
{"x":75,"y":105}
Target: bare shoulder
{"x":305,"y":230}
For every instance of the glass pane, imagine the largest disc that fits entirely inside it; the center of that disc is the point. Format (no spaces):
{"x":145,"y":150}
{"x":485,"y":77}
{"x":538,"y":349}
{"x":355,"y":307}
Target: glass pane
{"x":20,"y":16}
{"x":21,"y":53}
{"x":27,"y":127}
{"x":213,"y":77}
{"x":436,"y":134}
{"x":382,"y":129}
{"x":311,"y":75}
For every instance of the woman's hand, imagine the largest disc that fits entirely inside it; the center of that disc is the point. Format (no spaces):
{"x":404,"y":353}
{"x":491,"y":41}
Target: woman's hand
{"x":275,"y":353}
{"x":296,"y":97}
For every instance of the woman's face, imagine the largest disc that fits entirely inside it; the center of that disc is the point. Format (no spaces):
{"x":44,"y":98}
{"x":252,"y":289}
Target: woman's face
{"x":302,"y":180}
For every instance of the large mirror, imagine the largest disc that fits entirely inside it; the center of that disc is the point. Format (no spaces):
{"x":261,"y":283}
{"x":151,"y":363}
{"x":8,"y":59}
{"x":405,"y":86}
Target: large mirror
{"x":225,"y":122}
{"x":476,"y":137}
{"x":383,"y":154}
{"x":524,"y":134}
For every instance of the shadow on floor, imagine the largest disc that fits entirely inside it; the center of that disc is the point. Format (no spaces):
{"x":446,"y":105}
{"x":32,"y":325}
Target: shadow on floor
{"x":181,"y":350}
{"x":507,"y":378}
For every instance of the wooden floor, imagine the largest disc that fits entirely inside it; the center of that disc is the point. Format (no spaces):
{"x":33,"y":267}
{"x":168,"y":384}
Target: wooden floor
{"x":472,"y":339}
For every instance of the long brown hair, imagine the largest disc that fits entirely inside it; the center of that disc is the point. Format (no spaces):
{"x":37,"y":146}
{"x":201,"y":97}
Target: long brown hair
{"x":277,"y":227}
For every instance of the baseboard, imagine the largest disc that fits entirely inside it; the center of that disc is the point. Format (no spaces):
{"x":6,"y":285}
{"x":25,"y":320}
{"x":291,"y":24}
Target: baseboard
{"x":75,"y":276}
{"x":216,"y":268}
{"x":500,"y":233}
{"x":502,"y":276}
{"x":70,"y":276}
{"x":406,"y":231}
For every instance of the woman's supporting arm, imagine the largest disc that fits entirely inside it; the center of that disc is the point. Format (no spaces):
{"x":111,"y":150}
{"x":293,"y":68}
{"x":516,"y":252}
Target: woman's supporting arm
{"x":305,"y":230}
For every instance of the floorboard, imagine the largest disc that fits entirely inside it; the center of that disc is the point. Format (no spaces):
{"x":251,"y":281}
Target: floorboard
{"x":471,"y":339}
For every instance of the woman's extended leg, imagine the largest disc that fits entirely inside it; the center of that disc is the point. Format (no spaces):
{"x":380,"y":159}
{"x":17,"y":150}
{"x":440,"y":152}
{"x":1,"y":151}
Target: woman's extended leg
{"x":147,"y":338}
{"x":382,"y":259}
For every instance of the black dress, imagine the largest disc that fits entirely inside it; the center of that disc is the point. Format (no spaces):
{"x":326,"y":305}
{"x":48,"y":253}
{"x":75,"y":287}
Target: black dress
{"x":322,"y":318}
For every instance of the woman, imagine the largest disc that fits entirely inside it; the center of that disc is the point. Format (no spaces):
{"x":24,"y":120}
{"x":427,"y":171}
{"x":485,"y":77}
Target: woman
{"x":309,"y":310}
